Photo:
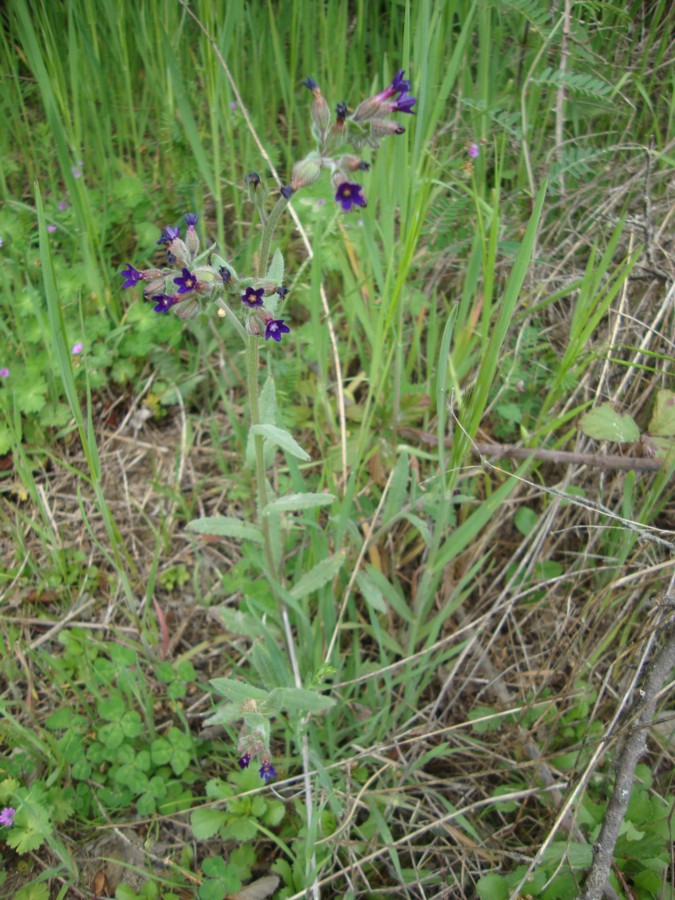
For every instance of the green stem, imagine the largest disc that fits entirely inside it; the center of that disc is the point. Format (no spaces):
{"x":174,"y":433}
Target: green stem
{"x":268,"y":233}
{"x":252,"y":359}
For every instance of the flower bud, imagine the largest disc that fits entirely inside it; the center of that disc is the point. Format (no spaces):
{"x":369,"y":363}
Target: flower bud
{"x":320,"y":111}
{"x":383,"y":127}
{"x":180,"y":252}
{"x":305,"y":172}
{"x":351,"y":163}
{"x":191,"y":236}
{"x":156,"y":286}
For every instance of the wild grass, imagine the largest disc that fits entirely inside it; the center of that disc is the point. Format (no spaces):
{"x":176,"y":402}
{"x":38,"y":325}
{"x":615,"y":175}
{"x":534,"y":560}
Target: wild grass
{"x":487,"y":620}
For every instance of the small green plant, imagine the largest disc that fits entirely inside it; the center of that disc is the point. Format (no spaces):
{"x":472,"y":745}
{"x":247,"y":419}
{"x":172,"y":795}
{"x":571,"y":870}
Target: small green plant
{"x":642,"y":854}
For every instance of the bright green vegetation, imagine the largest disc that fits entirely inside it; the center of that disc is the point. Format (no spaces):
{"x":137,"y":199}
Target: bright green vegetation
{"x":475,"y":622}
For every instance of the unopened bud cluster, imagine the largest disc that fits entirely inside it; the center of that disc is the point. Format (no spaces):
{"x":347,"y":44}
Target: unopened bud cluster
{"x":187,"y":283}
{"x":366,"y":126}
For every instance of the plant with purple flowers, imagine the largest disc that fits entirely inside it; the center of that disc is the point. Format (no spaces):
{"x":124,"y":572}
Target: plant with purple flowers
{"x":191,"y":282}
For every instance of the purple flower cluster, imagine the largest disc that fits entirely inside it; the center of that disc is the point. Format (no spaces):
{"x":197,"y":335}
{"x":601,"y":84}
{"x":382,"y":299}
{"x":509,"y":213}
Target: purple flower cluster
{"x":183,"y":284}
{"x":366,"y":126}
{"x":7,"y":817}
{"x":266,"y":770}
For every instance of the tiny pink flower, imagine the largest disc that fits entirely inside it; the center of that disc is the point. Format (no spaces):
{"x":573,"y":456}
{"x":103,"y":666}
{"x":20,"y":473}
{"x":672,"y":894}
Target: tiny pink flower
{"x":63,"y":205}
{"x":4,"y":372}
{"x":473,"y":150}
{"x":51,"y":227}
{"x":77,"y":348}
{"x":7,"y":816}
{"x":233,"y":104}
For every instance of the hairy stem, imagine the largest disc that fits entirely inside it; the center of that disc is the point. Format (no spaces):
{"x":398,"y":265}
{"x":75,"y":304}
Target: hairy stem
{"x":252,"y":360}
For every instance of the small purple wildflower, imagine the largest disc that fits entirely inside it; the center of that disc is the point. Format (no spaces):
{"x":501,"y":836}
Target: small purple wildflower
{"x":225,"y":274}
{"x":7,"y":816}
{"x":274,"y":329}
{"x":398,"y":86}
{"x":132,"y":276}
{"x":233,"y":104}
{"x":168,"y":235}
{"x":267,"y":770}
{"x":253,"y":298}
{"x":473,"y":150}
{"x":1,"y":242}
{"x":404,"y":104}
{"x":77,"y":172}
{"x":163,"y":303}
{"x":4,"y":372}
{"x":191,"y":219}
{"x":51,"y":228}
{"x":348,"y":194}
{"x":282,"y":291}
{"x":244,"y":761}
{"x":63,"y":205}
{"x":77,"y":348}
{"x":186,"y":282}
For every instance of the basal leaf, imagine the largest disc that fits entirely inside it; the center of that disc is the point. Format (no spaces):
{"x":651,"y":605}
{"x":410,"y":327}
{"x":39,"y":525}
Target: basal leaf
{"x":321,"y":574}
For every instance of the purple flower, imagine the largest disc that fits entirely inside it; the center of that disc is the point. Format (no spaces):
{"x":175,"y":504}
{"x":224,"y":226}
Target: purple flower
{"x":274,"y":329}
{"x":191,"y":219}
{"x":1,"y":242}
{"x":282,"y":291}
{"x":63,"y":205}
{"x":7,"y":815}
{"x":348,"y":194}
{"x":77,"y":173}
{"x":51,"y":227}
{"x":233,"y":104}
{"x":473,"y":150}
{"x":77,"y":348}
{"x":267,"y":770}
{"x":168,"y":235}
{"x":133,"y":276}
{"x":253,"y":298}
{"x":244,"y":761}
{"x":398,"y":86}
{"x":187,"y":282}
{"x":4,"y":372}
{"x":225,"y":274}
{"x":404,"y":104}
{"x":163,"y":303}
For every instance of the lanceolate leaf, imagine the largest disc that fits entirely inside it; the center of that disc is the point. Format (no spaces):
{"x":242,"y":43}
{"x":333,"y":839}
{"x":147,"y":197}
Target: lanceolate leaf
{"x":226,"y":526}
{"x":275,"y":273}
{"x":299,"y":700}
{"x":282,"y":439}
{"x":294,"y":502}
{"x":321,"y":574}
